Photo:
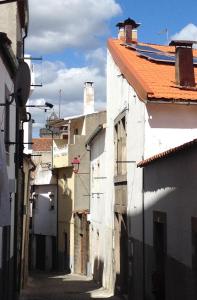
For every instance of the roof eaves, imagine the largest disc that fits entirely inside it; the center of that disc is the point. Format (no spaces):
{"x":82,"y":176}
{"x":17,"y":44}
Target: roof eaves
{"x":166,"y":153}
{"x":125,"y":66}
{"x":95,"y":133}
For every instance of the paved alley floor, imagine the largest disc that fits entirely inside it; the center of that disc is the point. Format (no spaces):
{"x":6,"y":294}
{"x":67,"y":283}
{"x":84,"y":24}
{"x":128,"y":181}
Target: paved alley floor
{"x":42,"y":286}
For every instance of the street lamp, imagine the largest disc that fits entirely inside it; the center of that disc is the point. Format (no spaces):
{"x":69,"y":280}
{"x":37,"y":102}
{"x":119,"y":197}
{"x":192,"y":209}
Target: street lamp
{"x":7,"y":1}
{"x":75,"y":163}
{"x":47,"y":104}
{"x":52,"y":133}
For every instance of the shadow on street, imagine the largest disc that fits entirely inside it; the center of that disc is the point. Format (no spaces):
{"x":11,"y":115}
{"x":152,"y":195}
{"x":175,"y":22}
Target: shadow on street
{"x":55,"y":286}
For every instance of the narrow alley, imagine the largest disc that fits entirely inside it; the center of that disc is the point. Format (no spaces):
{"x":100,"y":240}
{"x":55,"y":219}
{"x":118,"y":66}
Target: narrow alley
{"x":56,"y":286}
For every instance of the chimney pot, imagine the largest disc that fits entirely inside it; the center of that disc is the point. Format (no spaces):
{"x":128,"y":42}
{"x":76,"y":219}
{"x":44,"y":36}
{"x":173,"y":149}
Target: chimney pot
{"x":121,"y":33}
{"x":128,"y":31}
{"x":88,"y":97}
{"x":184,"y":69}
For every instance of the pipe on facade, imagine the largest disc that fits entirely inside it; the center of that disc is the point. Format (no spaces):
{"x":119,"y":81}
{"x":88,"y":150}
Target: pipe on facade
{"x":57,"y":229}
{"x":143,"y":241}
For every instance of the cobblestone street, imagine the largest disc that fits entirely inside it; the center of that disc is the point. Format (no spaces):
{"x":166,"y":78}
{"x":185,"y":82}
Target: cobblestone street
{"x":53,"y":286}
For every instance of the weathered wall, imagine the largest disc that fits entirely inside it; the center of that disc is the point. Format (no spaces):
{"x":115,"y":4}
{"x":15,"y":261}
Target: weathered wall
{"x":121,"y":97}
{"x":10,"y":23}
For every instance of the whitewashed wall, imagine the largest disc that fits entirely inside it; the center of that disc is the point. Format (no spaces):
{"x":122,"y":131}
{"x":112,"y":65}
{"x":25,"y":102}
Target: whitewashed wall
{"x":172,"y":189}
{"x":122,"y":96}
{"x":98,"y":225}
{"x":45,"y":219}
{"x":5,"y":80}
{"x":168,"y":125}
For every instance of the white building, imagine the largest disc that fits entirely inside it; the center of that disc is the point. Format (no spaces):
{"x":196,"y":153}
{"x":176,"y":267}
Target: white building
{"x":43,"y":231}
{"x":13,"y":30}
{"x":8,"y":68}
{"x":100,"y":227}
{"x":170,"y":222}
{"x":149,"y":110}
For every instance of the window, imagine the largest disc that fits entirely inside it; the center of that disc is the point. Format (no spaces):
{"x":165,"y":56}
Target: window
{"x":194,"y":244}
{"x":120,"y":145}
{"x":76,"y":131}
{"x":160,"y":249}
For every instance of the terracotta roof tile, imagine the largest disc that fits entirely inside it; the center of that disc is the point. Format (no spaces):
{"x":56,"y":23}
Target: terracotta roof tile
{"x":167,"y":153}
{"x":42,"y":144}
{"x":151,"y":80}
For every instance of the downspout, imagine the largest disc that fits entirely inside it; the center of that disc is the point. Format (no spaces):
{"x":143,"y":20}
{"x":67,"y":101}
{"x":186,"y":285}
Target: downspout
{"x":143,"y":240}
{"x":88,"y":148}
{"x":22,"y":274}
{"x":57,"y":233}
{"x":143,"y":218}
{"x":16,"y":289}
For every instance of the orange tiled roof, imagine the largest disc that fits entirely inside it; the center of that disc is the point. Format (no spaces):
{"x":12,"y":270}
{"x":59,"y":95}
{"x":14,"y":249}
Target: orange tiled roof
{"x":42,"y":144}
{"x":152,"y":81}
{"x":167,"y":153}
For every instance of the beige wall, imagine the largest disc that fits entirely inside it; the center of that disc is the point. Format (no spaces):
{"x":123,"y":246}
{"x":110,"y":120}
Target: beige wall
{"x":65,"y":218}
{"x":10,"y":23}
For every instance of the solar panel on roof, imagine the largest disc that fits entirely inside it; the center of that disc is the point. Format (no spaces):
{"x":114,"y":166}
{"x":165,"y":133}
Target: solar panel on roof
{"x":162,"y":57}
{"x":159,"y":57}
{"x":154,"y":54}
{"x":143,"y":48}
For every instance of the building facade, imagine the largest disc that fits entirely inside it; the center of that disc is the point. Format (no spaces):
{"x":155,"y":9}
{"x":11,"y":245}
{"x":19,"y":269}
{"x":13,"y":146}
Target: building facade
{"x":147,"y":113}
{"x":43,"y":206}
{"x":170,"y":223}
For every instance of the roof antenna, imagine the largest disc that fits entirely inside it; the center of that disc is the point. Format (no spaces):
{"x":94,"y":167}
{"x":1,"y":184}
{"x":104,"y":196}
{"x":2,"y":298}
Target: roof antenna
{"x":166,"y":32}
{"x":60,"y":99}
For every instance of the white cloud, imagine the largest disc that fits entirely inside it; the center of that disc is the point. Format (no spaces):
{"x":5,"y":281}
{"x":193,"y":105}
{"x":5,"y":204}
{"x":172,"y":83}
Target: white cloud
{"x":97,"y":58}
{"x":55,"y":25}
{"x":70,"y":80}
{"x":189,"y":32}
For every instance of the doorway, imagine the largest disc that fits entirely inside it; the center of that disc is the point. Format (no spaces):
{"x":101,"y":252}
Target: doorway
{"x":40,"y":252}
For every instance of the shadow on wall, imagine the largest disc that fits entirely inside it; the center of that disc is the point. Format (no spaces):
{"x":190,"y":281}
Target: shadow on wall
{"x":65,"y":199}
{"x":170,"y":190}
{"x":98,"y":271}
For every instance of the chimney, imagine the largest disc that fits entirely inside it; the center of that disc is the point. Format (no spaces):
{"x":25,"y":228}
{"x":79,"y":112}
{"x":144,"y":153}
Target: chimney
{"x":130,"y":31}
{"x":184,"y":69}
{"x":88,"y":98}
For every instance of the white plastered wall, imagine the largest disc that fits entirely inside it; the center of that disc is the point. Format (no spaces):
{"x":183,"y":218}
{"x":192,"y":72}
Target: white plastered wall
{"x":5,"y":80}
{"x":168,"y":126}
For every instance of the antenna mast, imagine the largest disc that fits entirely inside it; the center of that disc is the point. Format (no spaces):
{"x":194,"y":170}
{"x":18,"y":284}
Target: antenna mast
{"x":60,"y":99}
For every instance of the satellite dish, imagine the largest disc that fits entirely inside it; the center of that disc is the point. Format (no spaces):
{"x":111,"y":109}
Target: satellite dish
{"x":22,"y":84}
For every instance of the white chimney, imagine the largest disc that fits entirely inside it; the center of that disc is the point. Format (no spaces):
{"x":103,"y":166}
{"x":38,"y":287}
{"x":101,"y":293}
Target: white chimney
{"x":88,"y":100}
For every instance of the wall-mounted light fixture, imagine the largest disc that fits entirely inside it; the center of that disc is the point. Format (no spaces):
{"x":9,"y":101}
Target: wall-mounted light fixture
{"x":45,"y":105}
{"x":75,"y":164}
{"x":34,"y":200}
{"x":51,"y":200}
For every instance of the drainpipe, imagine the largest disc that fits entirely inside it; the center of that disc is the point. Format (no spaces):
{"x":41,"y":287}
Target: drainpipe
{"x":15,"y":277}
{"x":143,"y":241}
{"x":143,"y":220}
{"x":57,"y":239}
{"x":88,"y":148}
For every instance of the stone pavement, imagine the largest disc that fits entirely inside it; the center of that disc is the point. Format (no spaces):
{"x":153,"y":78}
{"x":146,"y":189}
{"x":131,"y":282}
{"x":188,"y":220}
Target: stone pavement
{"x":42,"y":286}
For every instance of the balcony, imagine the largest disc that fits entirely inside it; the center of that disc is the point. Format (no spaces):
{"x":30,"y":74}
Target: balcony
{"x":63,"y":153}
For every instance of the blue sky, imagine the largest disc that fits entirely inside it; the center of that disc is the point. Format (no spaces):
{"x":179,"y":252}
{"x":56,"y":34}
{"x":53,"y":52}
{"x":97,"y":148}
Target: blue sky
{"x":71,"y":37}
